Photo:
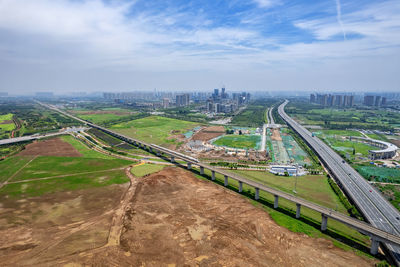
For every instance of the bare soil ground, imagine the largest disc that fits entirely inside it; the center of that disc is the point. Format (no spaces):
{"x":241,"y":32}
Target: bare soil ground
{"x":51,"y":147}
{"x":175,"y":219}
{"x":41,"y":231}
{"x":208,"y":133}
{"x":169,"y":218}
{"x":276,"y":136}
{"x":396,"y":142}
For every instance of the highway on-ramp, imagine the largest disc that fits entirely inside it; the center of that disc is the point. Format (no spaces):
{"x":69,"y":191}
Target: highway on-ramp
{"x":374,"y":207}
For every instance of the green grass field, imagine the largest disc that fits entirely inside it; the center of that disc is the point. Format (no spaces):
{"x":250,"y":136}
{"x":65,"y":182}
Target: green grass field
{"x":83,"y":149}
{"x":145,"y":169}
{"x":239,"y":141}
{"x":6,"y":126}
{"x":100,"y":118}
{"x":6,"y":117}
{"x":335,"y":140}
{"x":54,"y":166}
{"x":104,"y":115}
{"x":11,"y":165}
{"x":155,"y":129}
{"x":91,"y":170}
{"x":341,"y":132}
{"x":72,"y":182}
{"x":311,"y":187}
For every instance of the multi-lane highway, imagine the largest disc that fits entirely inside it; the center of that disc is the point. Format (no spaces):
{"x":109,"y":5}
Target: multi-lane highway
{"x":39,"y":136}
{"x":374,"y":207}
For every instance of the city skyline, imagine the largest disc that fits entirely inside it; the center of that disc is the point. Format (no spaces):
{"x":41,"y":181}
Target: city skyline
{"x":245,"y":45}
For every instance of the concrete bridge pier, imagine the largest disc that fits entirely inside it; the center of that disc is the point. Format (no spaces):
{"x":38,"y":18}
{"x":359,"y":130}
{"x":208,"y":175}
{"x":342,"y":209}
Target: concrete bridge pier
{"x":189,"y":165}
{"x":150,"y":149}
{"x":213,"y":175}
{"x":201,"y":170}
{"x":298,"y":207}
{"x":158,"y":153}
{"x":134,"y":143}
{"x":240,"y":187}
{"x":172,"y":159}
{"x":276,"y":202}
{"x":257,"y":195}
{"x":226,"y":180}
{"x":374,"y":246}
{"x":324,"y":223}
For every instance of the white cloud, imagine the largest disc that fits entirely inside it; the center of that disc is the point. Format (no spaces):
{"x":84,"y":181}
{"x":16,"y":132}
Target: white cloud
{"x":265,"y":3}
{"x":339,"y":17}
{"x":90,"y":34}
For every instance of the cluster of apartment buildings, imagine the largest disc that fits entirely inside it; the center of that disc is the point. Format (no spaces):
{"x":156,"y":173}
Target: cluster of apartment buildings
{"x":374,"y":100}
{"x":220,"y":102}
{"x":331,"y":100}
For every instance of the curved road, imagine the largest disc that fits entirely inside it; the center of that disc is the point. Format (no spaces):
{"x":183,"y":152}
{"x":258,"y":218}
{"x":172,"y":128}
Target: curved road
{"x":375,"y":208}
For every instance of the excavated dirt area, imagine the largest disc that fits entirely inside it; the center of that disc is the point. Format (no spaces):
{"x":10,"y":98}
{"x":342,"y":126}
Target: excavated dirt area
{"x":175,"y":219}
{"x":169,"y":218}
{"x":276,"y":136}
{"x":50,"y":147}
{"x":42,"y":231}
{"x":208,"y":133}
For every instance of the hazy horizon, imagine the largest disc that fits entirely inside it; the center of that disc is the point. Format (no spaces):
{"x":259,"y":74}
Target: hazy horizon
{"x":254,"y":45}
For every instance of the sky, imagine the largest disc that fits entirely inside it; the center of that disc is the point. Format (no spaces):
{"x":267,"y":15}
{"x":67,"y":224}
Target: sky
{"x":254,"y":45}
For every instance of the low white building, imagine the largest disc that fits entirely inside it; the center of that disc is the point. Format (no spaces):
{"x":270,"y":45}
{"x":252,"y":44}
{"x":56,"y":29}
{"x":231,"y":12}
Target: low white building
{"x":283,"y":169}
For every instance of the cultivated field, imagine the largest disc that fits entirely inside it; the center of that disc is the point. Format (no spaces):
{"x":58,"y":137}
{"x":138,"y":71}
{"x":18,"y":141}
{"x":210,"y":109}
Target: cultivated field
{"x":155,"y":129}
{"x":104,"y":115}
{"x":6,"y":123}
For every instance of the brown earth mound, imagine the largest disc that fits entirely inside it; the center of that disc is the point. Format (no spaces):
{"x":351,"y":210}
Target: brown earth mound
{"x":50,"y":147}
{"x":176,"y":219}
{"x":276,"y":136}
{"x":209,"y":133}
{"x":173,"y":219}
{"x":6,"y":122}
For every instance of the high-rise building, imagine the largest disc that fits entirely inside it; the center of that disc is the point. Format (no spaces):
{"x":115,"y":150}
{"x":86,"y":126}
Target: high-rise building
{"x":209,"y":105}
{"x":312,"y":98}
{"x":339,"y":100}
{"x":182,"y":100}
{"x":351,"y":101}
{"x":377,"y":101}
{"x":165,"y":102}
{"x":369,"y":100}
{"x":384,"y":100}
{"x":331,"y":100}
